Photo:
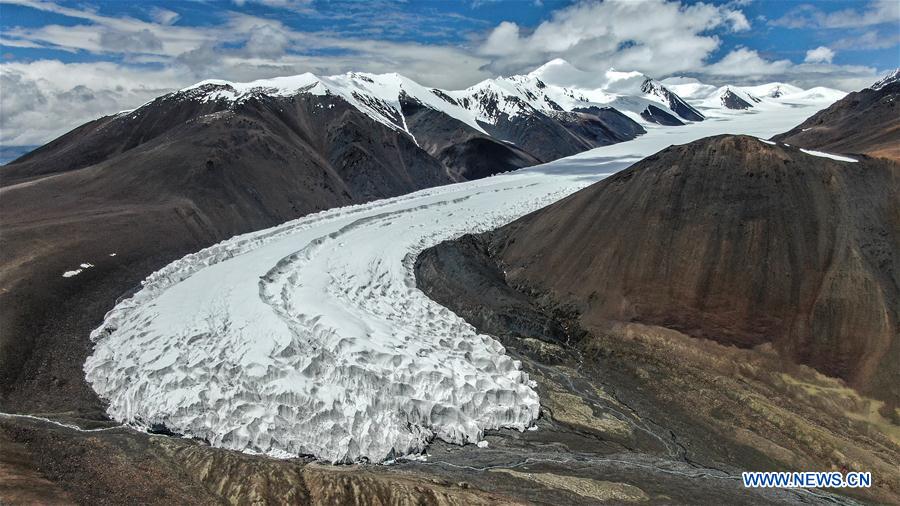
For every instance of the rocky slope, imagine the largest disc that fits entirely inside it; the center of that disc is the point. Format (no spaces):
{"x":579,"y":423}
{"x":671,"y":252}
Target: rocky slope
{"x":752,"y":286}
{"x":867,"y":121}
{"x":737,"y":241}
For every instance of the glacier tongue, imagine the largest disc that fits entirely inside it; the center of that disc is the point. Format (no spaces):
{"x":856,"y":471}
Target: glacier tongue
{"x":286,"y":340}
{"x":311,"y":337}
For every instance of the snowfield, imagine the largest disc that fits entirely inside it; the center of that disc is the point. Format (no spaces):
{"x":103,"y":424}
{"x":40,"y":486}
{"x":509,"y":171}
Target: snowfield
{"x":311,"y":337}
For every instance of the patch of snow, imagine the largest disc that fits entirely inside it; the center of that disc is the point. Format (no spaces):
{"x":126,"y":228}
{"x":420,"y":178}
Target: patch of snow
{"x":828,"y":155}
{"x":75,"y":272}
{"x":112,"y":254}
{"x":482,"y":444}
{"x":768,"y":142}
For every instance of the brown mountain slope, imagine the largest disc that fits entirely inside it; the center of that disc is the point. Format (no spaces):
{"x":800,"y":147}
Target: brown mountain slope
{"x":734,"y":240}
{"x":743,"y":295}
{"x":866,"y":121}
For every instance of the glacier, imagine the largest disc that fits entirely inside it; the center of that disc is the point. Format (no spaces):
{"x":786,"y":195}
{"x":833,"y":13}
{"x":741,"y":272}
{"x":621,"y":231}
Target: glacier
{"x":311,"y":338}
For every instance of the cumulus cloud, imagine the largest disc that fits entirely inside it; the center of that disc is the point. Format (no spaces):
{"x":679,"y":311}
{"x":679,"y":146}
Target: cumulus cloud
{"x":746,"y":62}
{"x":820,"y":54}
{"x":591,"y":35}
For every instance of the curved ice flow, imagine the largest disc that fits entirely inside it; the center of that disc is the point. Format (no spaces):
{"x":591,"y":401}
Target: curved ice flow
{"x":311,"y":338}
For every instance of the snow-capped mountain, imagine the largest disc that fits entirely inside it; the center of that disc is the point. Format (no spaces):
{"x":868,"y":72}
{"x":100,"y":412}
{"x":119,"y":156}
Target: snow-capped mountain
{"x":520,"y":111}
{"x":557,"y":98}
{"x":732,"y":98}
{"x":554,"y":91}
{"x":631,"y":92}
{"x":496,"y":125}
{"x":743,"y":98}
{"x":891,"y":77}
{"x":772,"y":90}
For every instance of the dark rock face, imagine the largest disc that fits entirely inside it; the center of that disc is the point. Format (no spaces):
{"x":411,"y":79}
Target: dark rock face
{"x":602,"y":125}
{"x":733,"y":240}
{"x":464,"y":270}
{"x":555,"y":135}
{"x":466,"y":152}
{"x":866,"y":121}
{"x":656,"y":115}
{"x":673,"y":101}
{"x":732,"y":101}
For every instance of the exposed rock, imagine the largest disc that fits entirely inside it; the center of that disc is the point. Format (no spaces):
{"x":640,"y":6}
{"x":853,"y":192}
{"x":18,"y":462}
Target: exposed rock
{"x":654,"y":114}
{"x":672,"y":100}
{"x":732,"y":101}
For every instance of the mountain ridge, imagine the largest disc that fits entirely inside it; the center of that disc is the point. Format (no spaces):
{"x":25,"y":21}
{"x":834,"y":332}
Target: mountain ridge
{"x":865,"y":121}
{"x":546,"y":92}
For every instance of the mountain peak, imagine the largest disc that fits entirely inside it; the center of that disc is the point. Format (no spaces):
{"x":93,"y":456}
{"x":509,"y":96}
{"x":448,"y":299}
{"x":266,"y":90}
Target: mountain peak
{"x":892,"y":77}
{"x":556,"y":62}
{"x":561,"y":73}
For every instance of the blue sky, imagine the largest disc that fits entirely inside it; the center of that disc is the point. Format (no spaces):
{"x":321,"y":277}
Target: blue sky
{"x":64,"y":63}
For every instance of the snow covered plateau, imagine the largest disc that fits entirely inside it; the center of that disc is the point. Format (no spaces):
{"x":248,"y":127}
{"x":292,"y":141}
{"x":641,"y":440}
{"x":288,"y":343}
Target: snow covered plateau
{"x":311,"y":338}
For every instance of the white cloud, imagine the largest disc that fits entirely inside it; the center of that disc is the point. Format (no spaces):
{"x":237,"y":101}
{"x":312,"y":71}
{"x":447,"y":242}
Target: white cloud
{"x":653,"y":36}
{"x":675,"y":39}
{"x":877,"y":12}
{"x":746,"y":62}
{"x":46,"y":98}
{"x":820,"y":54}
{"x":871,"y":39}
{"x":744,"y":65}
{"x":164,"y":16}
